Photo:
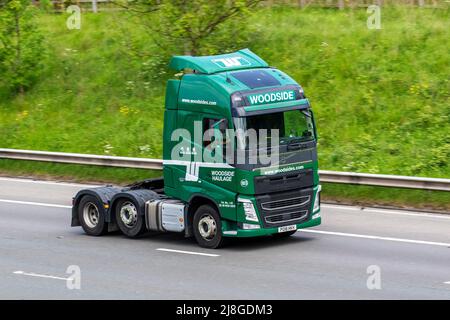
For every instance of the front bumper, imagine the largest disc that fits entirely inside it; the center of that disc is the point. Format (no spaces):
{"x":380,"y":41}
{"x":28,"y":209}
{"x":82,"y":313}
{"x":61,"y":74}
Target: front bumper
{"x":242,"y":233}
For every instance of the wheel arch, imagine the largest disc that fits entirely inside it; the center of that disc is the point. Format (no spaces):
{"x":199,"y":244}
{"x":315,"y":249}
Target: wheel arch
{"x":140,"y":196}
{"x":103,"y":194}
{"x":194,"y":203}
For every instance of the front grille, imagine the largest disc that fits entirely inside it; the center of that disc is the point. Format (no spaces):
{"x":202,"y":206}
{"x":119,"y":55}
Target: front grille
{"x":285,"y":208}
{"x":286,"y":217}
{"x":284,"y":181}
{"x":286,"y":203}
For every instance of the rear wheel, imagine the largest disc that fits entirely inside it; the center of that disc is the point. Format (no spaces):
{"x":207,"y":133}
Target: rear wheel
{"x":129,"y":220}
{"x":92,"y":216}
{"x":208,"y":227}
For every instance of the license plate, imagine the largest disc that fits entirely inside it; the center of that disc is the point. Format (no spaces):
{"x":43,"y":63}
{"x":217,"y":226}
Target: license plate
{"x":287,"y":228}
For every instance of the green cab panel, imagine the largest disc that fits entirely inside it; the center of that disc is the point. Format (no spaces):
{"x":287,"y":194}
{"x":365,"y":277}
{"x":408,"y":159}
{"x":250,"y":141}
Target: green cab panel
{"x":172,"y":93}
{"x":242,"y":59}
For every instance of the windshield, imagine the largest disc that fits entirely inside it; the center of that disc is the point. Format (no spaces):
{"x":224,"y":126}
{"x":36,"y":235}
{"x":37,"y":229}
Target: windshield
{"x":289,"y":127}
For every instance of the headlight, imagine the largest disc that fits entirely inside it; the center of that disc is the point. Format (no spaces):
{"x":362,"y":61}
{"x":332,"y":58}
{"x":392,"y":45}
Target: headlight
{"x":317,"y":200}
{"x":249,"y":210}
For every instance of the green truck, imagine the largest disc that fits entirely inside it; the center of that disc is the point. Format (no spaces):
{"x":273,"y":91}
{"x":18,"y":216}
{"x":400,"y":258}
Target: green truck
{"x":239,"y":159}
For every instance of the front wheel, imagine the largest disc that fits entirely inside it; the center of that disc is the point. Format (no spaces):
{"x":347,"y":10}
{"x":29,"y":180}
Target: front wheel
{"x":208,"y":227}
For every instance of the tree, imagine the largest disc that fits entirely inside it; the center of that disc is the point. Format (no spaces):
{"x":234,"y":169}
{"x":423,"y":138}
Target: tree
{"x":21,"y":45}
{"x":195,"y":27}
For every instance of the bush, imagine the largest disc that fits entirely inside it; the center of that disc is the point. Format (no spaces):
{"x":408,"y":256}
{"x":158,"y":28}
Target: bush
{"x":21,"y":46}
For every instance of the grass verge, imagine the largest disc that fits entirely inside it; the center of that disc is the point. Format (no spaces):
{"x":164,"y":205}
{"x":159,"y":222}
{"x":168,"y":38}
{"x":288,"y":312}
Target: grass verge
{"x":386,"y":197}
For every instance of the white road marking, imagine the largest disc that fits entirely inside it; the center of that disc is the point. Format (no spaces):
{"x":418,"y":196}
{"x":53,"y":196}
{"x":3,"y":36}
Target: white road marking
{"x":354,"y":235}
{"x":36,"y":204}
{"x":407,"y":213}
{"x":447,"y":282}
{"x":31,"y":274}
{"x":189,"y":252}
{"x":387,"y":211}
{"x":340,"y":207}
{"x":48,"y":182}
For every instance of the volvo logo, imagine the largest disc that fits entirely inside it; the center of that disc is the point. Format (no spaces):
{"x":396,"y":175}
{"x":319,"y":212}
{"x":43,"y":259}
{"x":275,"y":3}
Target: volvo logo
{"x":244,"y":183}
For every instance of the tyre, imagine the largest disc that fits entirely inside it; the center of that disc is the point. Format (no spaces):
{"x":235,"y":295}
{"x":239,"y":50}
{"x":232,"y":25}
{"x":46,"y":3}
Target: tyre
{"x":208,"y":227}
{"x":284,"y":234}
{"x":91,"y":215}
{"x":128,"y":218}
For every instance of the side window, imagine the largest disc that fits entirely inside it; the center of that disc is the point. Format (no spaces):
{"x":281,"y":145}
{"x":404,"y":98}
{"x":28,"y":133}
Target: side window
{"x":219,"y":150}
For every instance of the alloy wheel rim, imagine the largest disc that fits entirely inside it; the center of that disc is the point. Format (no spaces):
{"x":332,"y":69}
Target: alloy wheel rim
{"x":91,"y":215}
{"x":128,"y":214}
{"x":207,"y":227}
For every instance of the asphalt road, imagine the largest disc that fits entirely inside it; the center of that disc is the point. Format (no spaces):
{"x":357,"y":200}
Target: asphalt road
{"x":408,"y":252}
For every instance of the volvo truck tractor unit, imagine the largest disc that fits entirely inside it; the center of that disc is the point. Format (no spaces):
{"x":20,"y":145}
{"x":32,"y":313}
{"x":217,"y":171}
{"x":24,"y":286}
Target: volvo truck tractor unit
{"x":239,"y":159}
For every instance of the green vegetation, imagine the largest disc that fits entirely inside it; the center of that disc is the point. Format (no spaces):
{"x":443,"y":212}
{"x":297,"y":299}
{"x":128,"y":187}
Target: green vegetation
{"x":21,"y":46}
{"x":381,"y":97}
{"x":97,"y":95}
{"x":199,"y":27}
{"x":386,"y":197}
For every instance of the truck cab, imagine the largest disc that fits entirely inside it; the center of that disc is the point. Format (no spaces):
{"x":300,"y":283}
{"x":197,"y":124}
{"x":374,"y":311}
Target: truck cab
{"x":239,"y":156}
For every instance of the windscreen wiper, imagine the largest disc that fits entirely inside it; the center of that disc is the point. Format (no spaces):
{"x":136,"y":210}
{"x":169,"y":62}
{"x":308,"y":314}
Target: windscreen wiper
{"x":294,"y":144}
